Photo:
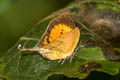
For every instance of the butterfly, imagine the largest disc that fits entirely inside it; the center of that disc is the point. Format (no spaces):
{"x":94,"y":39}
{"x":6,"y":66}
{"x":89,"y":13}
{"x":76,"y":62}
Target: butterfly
{"x":59,"y":40}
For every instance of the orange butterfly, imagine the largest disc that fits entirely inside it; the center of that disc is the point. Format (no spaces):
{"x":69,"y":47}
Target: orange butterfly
{"x":60,"y":40}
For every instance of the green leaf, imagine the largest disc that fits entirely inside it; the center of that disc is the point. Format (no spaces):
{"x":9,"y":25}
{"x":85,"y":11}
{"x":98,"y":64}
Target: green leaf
{"x":96,"y":54}
{"x":118,"y":49}
{"x":91,"y":53}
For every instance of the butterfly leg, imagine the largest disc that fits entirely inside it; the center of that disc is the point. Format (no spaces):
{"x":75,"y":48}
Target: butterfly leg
{"x":75,"y":51}
{"x":59,"y":60}
{"x":71,"y":57}
{"x":63,"y":61}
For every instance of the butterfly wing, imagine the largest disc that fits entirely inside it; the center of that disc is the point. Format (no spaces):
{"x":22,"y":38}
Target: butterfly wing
{"x":63,"y":46}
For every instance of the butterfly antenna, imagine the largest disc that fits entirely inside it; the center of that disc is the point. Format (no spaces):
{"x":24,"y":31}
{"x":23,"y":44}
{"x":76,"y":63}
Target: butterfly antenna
{"x":27,"y":49}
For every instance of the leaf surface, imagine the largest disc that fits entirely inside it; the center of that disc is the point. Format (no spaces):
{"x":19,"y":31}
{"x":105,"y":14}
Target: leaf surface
{"x":100,"y":52}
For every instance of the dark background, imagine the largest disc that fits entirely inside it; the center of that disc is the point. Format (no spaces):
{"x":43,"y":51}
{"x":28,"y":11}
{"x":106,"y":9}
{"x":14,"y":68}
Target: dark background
{"x":18,"y":16}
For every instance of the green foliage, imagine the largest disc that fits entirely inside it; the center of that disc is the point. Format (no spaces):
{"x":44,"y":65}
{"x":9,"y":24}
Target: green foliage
{"x":18,"y":65}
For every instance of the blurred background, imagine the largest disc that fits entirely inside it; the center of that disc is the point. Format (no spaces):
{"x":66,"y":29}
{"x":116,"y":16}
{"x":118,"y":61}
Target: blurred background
{"x":18,"y":16}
